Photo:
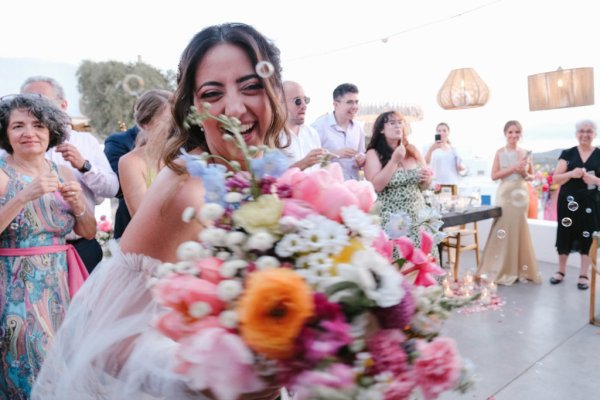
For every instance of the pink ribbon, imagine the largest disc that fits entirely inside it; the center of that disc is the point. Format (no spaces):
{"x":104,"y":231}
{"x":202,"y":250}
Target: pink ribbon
{"x":77,"y":272}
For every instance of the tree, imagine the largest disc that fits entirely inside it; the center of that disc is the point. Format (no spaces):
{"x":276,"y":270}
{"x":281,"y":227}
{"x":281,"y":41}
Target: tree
{"x":110,"y":89}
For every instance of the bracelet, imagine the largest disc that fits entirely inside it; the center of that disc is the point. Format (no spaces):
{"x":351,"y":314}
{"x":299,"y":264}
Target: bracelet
{"x":81,"y":214}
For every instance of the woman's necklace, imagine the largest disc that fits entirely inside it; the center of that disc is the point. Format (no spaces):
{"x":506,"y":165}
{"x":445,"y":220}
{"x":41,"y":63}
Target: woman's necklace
{"x":28,"y":170}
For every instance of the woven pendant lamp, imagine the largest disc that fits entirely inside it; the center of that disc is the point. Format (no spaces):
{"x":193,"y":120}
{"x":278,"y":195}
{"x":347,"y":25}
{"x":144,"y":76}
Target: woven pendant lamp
{"x":463,"y":89}
{"x":561,"y":88}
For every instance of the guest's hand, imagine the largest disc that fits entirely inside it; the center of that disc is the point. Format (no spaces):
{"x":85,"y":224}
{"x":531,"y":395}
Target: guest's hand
{"x":577,"y":173}
{"x":521,"y":167}
{"x":398,"y":154}
{"x":71,"y":192}
{"x":345,"y":152}
{"x":359,"y":159}
{"x":41,"y":185}
{"x":71,"y":154}
{"x":425,"y":175}
{"x":315,"y":156}
{"x":590,"y":179}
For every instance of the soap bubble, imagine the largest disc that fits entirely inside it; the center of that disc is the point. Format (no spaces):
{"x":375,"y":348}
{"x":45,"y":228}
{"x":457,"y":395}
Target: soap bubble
{"x":519,"y":198}
{"x":566,"y":222}
{"x":573,"y":206}
{"x":570,"y":198}
{"x":585,"y":234}
{"x":588,"y":210}
{"x":501,"y":233}
{"x":264,"y":69}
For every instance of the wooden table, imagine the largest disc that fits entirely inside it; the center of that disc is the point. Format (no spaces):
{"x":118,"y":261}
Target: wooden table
{"x":472,"y":214}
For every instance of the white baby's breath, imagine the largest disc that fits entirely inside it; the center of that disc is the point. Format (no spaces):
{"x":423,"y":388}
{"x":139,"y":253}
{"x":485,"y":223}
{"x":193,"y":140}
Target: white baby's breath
{"x":165,"y":269}
{"x":190,"y":251}
{"x":261,"y":241}
{"x":188,"y":214}
{"x":235,"y":239}
{"x":267,"y":262}
{"x":229,"y":319}
{"x":223,"y":255}
{"x":211,"y":212}
{"x":230,"y":268}
{"x":213,"y":236}
{"x":199,"y":309}
{"x":233,"y":197}
{"x":229,"y":289}
{"x":186,"y":267}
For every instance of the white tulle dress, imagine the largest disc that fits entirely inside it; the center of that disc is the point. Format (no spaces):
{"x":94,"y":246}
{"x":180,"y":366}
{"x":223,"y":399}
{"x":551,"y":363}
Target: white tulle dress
{"x":106,"y":347}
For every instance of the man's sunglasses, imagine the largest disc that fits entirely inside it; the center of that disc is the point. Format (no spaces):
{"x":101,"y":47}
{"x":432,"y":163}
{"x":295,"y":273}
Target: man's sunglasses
{"x":298,"y":100}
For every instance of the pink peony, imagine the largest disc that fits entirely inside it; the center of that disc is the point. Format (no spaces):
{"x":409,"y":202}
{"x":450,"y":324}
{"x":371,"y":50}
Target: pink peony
{"x":386,"y":348}
{"x":422,"y":261}
{"x":179,"y":292}
{"x":327,"y":192}
{"x":220,"y":361}
{"x":104,"y":225}
{"x":297,"y":209}
{"x":437,"y":367}
{"x":336,"y":376}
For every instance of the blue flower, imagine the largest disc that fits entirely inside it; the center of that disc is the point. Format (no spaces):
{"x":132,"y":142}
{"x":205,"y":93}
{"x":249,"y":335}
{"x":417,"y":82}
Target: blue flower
{"x":398,"y":225}
{"x":212,"y":175}
{"x":274,"y":163}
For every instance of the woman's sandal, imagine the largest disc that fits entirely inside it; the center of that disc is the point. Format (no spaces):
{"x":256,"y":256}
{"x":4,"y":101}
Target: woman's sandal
{"x":557,"y":278}
{"x":583,"y":286}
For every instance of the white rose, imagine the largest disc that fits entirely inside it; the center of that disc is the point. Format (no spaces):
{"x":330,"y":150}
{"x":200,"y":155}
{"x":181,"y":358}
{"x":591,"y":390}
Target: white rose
{"x":235,"y":239}
{"x":231,"y":267}
{"x":165,"y":269}
{"x":260,"y":241}
{"x":228,"y":318}
{"x":199,"y":309}
{"x":190,"y":251}
{"x":188,"y":214}
{"x":233,"y":197}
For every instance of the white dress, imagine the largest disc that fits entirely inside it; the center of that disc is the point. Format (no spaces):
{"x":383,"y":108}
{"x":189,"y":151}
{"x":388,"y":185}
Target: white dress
{"x":106,"y":347}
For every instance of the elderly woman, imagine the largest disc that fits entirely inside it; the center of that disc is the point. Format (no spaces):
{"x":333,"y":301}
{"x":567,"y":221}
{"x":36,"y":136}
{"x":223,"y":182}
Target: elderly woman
{"x":578,"y":205}
{"x":39,"y":204}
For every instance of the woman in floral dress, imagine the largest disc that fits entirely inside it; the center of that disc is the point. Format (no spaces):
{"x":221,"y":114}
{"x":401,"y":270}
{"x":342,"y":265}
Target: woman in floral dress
{"x":39,"y":204}
{"x":396,"y":170}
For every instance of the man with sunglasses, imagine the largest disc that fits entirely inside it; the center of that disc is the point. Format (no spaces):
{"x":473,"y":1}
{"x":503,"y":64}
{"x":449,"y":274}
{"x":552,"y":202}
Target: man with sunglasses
{"x":304,"y":150}
{"x":341,"y":134}
{"x":83,"y":154}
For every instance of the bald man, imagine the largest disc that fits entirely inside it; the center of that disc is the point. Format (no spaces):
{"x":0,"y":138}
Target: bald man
{"x":305,"y":150}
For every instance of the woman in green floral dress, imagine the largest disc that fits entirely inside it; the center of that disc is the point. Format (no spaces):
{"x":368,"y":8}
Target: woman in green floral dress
{"x":396,"y":169}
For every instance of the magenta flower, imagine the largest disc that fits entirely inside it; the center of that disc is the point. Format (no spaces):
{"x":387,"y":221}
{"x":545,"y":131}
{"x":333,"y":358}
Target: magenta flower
{"x":421,"y":260}
{"x":400,"y":315}
{"x":401,"y":387}
{"x":437,"y":367}
{"x":386,"y":348}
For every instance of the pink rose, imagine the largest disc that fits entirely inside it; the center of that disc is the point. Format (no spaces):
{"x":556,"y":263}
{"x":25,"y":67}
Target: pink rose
{"x":336,"y":376}
{"x":401,"y":387}
{"x":218,"y":360}
{"x":437,"y":367}
{"x":176,"y":326}
{"x":297,"y":209}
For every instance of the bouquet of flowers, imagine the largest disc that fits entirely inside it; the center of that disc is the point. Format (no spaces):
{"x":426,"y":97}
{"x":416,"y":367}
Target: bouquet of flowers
{"x":543,"y":183}
{"x":293,"y":283}
{"x":104,"y":232}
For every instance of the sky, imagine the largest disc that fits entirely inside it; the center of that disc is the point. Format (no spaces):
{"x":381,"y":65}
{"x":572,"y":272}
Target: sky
{"x":397,"y":52}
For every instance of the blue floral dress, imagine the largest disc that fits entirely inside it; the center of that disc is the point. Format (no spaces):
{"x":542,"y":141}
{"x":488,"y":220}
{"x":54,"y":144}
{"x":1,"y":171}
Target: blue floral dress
{"x":34,"y":291}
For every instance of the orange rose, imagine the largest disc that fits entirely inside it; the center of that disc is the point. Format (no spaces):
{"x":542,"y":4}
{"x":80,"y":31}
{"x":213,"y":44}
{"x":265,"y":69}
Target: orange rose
{"x":273,"y":309}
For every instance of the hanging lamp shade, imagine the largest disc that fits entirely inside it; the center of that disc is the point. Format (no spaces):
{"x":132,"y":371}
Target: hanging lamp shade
{"x":463,"y":89}
{"x":561,"y":88}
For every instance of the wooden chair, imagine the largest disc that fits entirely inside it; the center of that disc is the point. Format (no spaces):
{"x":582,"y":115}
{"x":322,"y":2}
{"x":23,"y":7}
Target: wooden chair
{"x":455,"y":241}
{"x":594,"y":319}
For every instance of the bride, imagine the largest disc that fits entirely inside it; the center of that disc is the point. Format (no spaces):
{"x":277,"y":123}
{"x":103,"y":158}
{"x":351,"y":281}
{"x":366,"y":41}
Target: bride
{"x":106,"y":348}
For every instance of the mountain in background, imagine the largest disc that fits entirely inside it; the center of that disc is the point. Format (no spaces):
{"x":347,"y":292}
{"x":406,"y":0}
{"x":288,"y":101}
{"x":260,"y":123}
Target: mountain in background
{"x":547,"y":158}
{"x":14,"y":71}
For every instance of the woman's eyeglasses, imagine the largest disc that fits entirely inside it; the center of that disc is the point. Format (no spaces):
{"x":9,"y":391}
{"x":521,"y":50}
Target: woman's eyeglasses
{"x":298,"y":100}
{"x":588,"y":131}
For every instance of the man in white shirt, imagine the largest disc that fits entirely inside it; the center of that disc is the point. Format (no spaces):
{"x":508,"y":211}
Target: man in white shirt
{"x":82,"y":152}
{"x":304,"y":150}
{"x":341,"y":134}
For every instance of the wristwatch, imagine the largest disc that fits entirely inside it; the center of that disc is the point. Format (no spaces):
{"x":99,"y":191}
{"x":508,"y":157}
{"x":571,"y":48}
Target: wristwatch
{"x":85,"y":167}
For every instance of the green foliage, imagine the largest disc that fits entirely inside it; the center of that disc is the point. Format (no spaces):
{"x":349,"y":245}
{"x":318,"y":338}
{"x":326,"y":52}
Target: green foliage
{"x":109,"y":90}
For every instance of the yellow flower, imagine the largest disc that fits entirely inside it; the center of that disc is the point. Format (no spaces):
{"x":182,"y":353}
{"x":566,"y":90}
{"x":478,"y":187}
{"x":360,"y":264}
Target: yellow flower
{"x":273,"y":309}
{"x":261,"y":214}
{"x":344,"y":256}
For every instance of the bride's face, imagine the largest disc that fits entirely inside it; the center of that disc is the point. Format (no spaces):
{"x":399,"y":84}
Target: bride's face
{"x":227,"y":80}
